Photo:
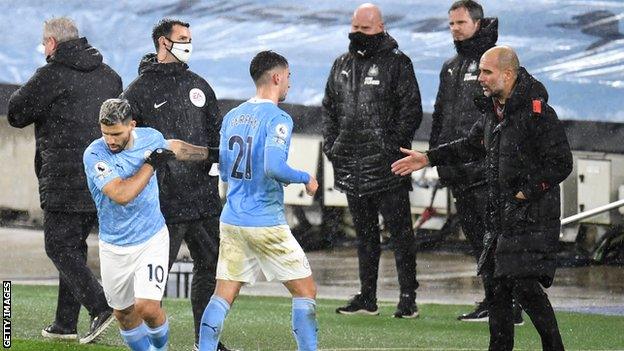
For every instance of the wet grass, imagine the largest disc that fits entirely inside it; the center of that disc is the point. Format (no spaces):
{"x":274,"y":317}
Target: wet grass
{"x":263,"y":323}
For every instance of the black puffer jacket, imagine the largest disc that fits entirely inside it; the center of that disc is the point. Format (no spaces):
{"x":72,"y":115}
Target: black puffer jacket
{"x":454,"y":111}
{"x":371,"y":108}
{"x":528,"y":151}
{"x":181,"y":105}
{"x":63,"y":100}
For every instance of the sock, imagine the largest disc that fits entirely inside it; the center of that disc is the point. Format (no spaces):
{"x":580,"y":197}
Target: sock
{"x":304,"y":323}
{"x":136,"y":338}
{"x":159,"y":336}
{"x":212,"y":323}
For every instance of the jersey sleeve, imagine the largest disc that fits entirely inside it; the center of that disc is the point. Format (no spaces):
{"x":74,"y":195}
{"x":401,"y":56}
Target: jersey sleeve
{"x":279,"y":131}
{"x":99,"y":168}
{"x":159,"y":141}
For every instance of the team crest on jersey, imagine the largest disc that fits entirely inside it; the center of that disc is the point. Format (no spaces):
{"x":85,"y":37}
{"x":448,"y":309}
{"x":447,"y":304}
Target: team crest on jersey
{"x":473,"y":67}
{"x":197,"y":96}
{"x":102,"y":170}
{"x":373,"y":71}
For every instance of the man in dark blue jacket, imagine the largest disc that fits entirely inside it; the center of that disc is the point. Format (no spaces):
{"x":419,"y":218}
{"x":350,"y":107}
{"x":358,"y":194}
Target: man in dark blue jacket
{"x":63,"y":100}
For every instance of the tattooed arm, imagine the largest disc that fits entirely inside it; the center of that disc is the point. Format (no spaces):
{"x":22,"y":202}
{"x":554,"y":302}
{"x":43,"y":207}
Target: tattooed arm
{"x":188,"y":152}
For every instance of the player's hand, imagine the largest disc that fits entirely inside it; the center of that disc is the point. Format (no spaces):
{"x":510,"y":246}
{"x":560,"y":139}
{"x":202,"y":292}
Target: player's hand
{"x":159,"y":157}
{"x":311,"y":186}
{"x":412,"y":162}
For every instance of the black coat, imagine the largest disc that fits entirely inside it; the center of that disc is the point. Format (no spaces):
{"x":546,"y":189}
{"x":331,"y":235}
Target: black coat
{"x":371,"y":108}
{"x":528,"y":151}
{"x":454,"y":111}
{"x":63,"y":100}
{"x":168,"y":98}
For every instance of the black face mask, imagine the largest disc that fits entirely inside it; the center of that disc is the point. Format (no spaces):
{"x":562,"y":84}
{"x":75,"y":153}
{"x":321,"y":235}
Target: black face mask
{"x":364,"y":44}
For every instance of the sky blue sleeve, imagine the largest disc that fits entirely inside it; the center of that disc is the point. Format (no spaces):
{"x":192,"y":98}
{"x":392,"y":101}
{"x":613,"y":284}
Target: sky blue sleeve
{"x":99,"y":168}
{"x":276,"y":152}
{"x":222,"y":154}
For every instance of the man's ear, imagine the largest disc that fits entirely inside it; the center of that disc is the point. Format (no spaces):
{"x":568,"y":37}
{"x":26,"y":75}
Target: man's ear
{"x":276,"y":77}
{"x":54,"y":43}
{"x":162,"y":48}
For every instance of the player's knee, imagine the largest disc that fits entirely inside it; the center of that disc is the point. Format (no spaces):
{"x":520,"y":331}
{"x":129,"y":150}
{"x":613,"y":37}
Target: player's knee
{"x":148,"y":309}
{"x":125,"y":316}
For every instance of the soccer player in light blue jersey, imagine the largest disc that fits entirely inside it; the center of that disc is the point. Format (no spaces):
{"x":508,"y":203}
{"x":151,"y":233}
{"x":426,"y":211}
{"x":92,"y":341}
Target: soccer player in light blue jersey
{"x":255,"y":138}
{"x":134,"y":241}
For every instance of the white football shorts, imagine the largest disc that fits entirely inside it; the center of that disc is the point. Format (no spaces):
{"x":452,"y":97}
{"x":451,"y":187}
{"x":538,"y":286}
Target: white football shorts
{"x":244,"y":251}
{"x":136,"y":271}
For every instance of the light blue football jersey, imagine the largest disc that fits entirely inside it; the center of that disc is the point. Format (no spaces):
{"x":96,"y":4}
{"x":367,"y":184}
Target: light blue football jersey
{"x":248,"y":131}
{"x":139,"y":220}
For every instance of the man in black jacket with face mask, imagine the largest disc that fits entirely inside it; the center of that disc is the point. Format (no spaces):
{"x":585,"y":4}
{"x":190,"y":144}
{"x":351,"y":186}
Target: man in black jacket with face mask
{"x":170,"y":98}
{"x":454,"y":114}
{"x":63,"y":100}
{"x":370,"y":109}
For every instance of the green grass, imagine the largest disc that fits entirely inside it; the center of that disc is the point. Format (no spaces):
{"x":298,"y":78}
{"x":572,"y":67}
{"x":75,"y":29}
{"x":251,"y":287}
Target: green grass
{"x":263,"y":323}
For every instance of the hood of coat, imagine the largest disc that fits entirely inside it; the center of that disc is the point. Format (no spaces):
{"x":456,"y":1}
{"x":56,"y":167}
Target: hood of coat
{"x":484,"y":38}
{"x":149,"y":63}
{"x":77,"y":54}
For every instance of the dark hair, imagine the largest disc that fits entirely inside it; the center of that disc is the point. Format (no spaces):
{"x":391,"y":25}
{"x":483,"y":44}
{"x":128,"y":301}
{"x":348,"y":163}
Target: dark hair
{"x":474,"y":9}
{"x":164,"y":27}
{"x":265,"y":61}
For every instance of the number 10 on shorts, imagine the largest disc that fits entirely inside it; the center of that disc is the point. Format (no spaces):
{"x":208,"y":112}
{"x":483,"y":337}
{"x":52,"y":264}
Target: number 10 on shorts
{"x":157,"y":273}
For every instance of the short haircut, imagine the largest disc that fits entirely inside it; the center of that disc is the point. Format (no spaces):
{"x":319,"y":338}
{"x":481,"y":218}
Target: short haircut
{"x":474,"y":8}
{"x":164,"y":27}
{"x":115,"y":111}
{"x":60,"y":28}
{"x":265,"y":61}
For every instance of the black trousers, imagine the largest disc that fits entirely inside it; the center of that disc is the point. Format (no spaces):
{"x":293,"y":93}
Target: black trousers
{"x":394,"y":206}
{"x":66,"y":245}
{"x":534,"y":301}
{"x":202,"y":239}
{"x":471,"y":204}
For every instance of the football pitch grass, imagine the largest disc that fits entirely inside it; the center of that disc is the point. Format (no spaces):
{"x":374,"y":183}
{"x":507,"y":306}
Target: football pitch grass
{"x":263,"y":323}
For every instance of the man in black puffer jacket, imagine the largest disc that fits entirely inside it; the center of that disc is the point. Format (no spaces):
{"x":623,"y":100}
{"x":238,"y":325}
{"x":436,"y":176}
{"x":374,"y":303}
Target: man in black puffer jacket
{"x":370,"y":109}
{"x":527,"y":156}
{"x":170,"y":98}
{"x":454,"y":114}
{"x":63,"y":100}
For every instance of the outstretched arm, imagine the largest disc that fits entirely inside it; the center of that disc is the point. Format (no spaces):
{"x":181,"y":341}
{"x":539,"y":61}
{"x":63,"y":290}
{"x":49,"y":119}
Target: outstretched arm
{"x":412,"y":162}
{"x":188,"y":152}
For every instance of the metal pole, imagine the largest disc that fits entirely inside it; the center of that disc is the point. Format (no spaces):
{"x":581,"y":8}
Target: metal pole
{"x":592,"y":212}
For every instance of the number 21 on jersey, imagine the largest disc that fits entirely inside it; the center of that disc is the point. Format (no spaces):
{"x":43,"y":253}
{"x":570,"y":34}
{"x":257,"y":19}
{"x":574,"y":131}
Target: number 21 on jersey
{"x":244,"y":150}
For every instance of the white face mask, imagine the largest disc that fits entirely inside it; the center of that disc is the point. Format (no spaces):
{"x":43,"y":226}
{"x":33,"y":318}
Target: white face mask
{"x":181,"y":51}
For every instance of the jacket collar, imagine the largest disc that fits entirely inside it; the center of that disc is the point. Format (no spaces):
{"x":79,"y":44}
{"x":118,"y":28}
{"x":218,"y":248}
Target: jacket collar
{"x":149,"y":63}
{"x":484,"y":38}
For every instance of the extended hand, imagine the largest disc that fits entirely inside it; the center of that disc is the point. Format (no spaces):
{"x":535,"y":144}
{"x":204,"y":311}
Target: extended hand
{"x":412,"y":162}
{"x":311,"y":186}
{"x":159,"y":157}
